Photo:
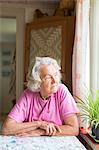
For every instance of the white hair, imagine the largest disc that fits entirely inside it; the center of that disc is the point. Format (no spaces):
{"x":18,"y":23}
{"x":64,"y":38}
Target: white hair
{"x":33,"y":77}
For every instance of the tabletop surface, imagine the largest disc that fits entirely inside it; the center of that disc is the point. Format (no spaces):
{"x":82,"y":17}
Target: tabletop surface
{"x":40,"y":143}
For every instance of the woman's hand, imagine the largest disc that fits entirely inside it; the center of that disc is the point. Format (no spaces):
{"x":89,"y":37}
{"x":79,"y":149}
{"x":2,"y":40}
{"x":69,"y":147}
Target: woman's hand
{"x":44,"y":128}
{"x":50,"y":128}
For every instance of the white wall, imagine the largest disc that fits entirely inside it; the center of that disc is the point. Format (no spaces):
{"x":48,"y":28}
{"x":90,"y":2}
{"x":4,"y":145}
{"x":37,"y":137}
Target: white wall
{"x":29,"y":11}
{"x":46,"y":7}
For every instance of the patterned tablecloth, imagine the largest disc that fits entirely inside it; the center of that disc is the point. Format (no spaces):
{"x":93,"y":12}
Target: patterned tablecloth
{"x":40,"y":143}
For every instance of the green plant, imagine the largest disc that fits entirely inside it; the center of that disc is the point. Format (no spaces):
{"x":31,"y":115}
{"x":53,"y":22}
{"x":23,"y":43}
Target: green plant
{"x":90,"y":108}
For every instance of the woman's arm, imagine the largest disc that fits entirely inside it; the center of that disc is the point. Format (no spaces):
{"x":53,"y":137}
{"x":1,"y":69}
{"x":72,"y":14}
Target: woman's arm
{"x":11,"y":127}
{"x":35,"y":128}
{"x":71,"y":126}
{"x":36,"y":132}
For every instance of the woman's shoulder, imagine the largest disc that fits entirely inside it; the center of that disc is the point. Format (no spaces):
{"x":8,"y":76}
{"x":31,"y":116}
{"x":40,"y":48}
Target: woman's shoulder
{"x":62,"y":87}
{"x":28,"y":92}
{"x":63,"y":91}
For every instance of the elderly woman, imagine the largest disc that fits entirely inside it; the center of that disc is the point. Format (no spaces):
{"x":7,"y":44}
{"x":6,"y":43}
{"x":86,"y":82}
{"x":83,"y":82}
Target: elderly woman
{"x":46,"y":107}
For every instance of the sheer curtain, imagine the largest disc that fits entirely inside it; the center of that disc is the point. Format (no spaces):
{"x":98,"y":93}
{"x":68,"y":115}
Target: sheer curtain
{"x":94,"y":44}
{"x":81,"y":72}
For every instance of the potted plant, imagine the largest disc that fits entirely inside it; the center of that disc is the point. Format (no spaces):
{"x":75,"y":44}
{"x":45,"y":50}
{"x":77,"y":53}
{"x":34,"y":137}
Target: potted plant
{"x":90,"y":111}
{"x":95,"y":128}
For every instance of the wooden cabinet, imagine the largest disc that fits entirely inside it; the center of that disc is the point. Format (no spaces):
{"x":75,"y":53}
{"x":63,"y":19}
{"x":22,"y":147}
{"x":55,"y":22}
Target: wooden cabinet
{"x":54,"y":37}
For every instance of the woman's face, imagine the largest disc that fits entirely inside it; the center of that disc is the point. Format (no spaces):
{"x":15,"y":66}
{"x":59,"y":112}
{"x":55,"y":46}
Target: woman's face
{"x":50,"y":79}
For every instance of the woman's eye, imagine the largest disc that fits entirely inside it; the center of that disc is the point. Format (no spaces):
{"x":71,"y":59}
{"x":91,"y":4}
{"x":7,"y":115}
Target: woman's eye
{"x":47,"y":77}
{"x":56,"y":74}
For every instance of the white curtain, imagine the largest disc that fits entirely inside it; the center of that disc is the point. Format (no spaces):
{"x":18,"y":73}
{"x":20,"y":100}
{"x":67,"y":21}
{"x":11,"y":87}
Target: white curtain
{"x":81,"y":76}
{"x":94,"y":44}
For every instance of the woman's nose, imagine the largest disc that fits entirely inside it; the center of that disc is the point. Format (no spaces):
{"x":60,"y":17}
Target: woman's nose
{"x":54,"y":79}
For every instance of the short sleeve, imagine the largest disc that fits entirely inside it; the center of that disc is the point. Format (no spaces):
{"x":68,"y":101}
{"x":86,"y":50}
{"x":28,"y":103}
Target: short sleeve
{"x":18,"y":112}
{"x":67,"y":103}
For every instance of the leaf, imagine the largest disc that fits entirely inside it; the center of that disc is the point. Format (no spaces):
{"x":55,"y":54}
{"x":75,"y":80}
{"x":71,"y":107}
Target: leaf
{"x":89,"y":106}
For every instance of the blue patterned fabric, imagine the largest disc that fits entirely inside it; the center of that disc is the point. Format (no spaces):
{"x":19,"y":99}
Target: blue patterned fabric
{"x":40,"y":143}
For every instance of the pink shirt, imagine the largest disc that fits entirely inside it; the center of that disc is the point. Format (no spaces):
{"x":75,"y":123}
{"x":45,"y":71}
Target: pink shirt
{"x":31,"y":107}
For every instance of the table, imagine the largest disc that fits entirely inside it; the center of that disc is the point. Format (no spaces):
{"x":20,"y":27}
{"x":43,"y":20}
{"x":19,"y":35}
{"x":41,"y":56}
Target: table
{"x":40,"y":143}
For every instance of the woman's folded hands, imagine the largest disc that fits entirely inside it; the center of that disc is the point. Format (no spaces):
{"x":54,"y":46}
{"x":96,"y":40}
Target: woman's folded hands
{"x":44,"y":128}
{"x":50,"y":128}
